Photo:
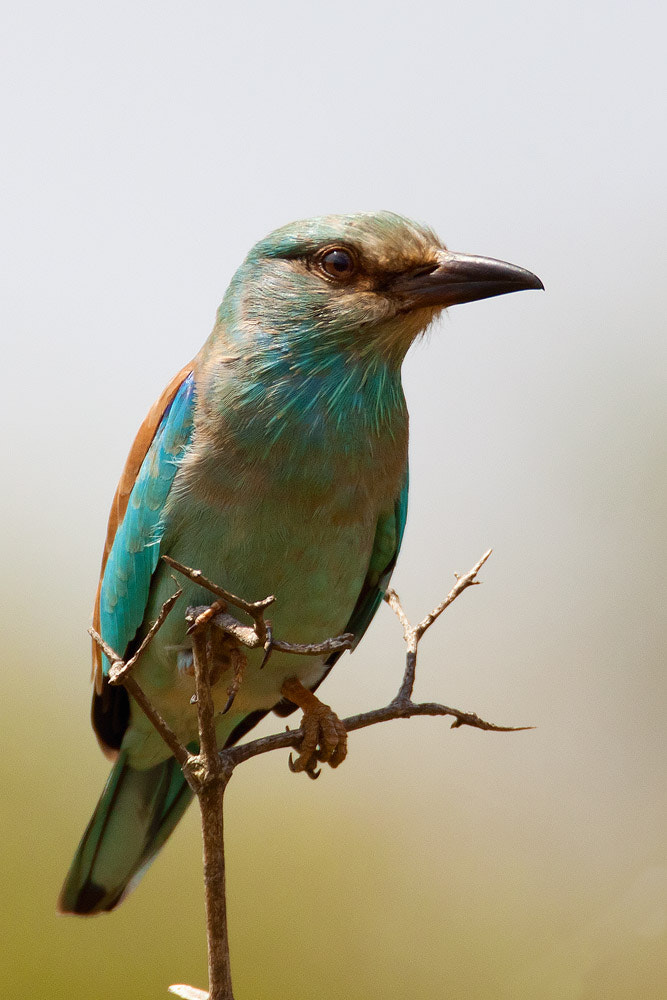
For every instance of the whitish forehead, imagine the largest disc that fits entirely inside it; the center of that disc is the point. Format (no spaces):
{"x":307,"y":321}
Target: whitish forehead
{"x":383,"y":237}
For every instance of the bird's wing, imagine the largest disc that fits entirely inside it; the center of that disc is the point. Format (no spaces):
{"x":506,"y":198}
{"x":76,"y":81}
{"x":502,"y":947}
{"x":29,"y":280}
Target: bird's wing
{"x":131,"y":551}
{"x":386,"y":546}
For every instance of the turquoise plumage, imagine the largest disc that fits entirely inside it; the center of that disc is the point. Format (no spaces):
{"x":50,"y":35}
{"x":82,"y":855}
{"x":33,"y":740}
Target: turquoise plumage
{"x":275,"y":463}
{"x":136,"y":547}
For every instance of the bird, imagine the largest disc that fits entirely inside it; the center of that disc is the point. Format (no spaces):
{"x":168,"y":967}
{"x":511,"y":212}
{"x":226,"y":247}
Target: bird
{"x":276,"y":462}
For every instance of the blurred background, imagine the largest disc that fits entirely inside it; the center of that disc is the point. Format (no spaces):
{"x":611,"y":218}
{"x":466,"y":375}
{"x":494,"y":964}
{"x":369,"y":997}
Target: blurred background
{"x":148,"y":146}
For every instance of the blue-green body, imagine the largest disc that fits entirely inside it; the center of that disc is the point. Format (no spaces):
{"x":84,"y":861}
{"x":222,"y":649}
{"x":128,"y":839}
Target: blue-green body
{"x":278,"y":467}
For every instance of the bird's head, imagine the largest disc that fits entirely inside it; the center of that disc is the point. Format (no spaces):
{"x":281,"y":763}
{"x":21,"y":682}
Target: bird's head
{"x":367,"y":284}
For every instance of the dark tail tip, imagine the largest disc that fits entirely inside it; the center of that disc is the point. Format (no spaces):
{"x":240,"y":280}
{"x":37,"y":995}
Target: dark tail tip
{"x":89,"y":900}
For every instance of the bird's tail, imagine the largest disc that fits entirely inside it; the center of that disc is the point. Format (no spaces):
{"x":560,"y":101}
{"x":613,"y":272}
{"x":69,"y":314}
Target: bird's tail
{"x":135,"y":815}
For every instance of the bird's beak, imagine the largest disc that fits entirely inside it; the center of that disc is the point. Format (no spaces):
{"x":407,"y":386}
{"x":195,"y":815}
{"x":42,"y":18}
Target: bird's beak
{"x":460,"y":277}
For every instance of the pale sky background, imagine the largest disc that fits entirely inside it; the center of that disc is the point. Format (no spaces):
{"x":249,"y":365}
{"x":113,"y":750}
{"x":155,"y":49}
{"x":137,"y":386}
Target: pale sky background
{"x":147,"y":146}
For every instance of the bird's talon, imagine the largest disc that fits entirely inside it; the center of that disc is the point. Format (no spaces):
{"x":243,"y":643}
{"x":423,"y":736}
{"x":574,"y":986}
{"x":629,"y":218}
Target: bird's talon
{"x":238,"y":661}
{"x":268,"y":645}
{"x":304,"y":763}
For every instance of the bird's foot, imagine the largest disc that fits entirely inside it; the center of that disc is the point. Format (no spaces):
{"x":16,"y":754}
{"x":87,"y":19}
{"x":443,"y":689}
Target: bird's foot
{"x":325,"y":736}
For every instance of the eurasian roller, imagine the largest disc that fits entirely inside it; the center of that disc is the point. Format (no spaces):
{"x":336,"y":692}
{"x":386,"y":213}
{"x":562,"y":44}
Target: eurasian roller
{"x":276,"y":462}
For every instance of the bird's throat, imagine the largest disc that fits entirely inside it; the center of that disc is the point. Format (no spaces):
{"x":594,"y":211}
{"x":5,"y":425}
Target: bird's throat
{"x":336,"y":401}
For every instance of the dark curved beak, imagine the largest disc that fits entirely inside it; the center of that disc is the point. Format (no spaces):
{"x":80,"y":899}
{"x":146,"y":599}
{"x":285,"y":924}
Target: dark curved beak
{"x":460,"y":277}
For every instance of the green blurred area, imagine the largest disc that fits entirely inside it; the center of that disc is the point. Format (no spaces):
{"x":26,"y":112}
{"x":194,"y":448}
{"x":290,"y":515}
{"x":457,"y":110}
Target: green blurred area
{"x":150,"y":148}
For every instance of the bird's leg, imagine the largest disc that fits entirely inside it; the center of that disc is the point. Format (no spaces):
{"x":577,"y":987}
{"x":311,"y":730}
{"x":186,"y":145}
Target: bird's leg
{"x":325,"y":736}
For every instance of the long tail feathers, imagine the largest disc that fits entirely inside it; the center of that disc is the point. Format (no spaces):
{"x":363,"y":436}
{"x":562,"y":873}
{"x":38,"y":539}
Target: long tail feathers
{"x":135,"y":815}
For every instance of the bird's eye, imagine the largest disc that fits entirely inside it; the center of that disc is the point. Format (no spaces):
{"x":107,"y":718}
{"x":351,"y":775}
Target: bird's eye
{"x":337,"y":263}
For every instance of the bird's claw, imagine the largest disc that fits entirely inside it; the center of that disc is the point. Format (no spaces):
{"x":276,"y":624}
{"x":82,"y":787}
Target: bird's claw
{"x":312,"y":770}
{"x":239,"y":662}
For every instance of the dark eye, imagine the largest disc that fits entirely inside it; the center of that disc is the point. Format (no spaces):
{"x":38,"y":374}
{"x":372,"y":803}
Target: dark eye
{"x":337,"y":263}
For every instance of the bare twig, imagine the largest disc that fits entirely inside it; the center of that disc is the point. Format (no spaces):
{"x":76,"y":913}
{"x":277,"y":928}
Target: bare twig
{"x":112,"y":656}
{"x":209,"y":772}
{"x":255,"y":609}
{"x":247,"y":635}
{"x":462,"y":583}
{"x":213,"y":776}
{"x":338,"y":644}
{"x":250,"y":607}
{"x":413,"y":633}
{"x":293,"y":737}
{"x":119,"y":669}
{"x":181,"y":753}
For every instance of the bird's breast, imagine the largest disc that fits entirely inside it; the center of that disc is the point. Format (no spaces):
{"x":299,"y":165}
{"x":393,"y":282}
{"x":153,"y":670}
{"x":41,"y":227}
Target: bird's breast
{"x":293,"y":513}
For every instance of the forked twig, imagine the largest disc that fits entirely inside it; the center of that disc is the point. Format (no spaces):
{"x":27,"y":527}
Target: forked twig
{"x":209,"y":772}
{"x":413,"y":633}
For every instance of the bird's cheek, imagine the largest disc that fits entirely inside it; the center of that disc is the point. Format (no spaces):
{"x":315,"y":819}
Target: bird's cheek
{"x":369,"y":309}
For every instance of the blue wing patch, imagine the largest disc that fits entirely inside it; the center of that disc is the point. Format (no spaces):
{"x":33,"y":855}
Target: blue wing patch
{"x":136,"y":547}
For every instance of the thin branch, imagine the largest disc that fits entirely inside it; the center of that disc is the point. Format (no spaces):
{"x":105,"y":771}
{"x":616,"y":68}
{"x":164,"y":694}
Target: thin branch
{"x":255,"y":609}
{"x":181,"y":753}
{"x":413,"y":633}
{"x":462,"y":583}
{"x":214,"y":775}
{"x":391,"y":597}
{"x":250,"y":607}
{"x":119,"y":670}
{"x":292,"y":737}
{"x":111,"y":654}
{"x":338,"y":644}
{"x":247,"y":635}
